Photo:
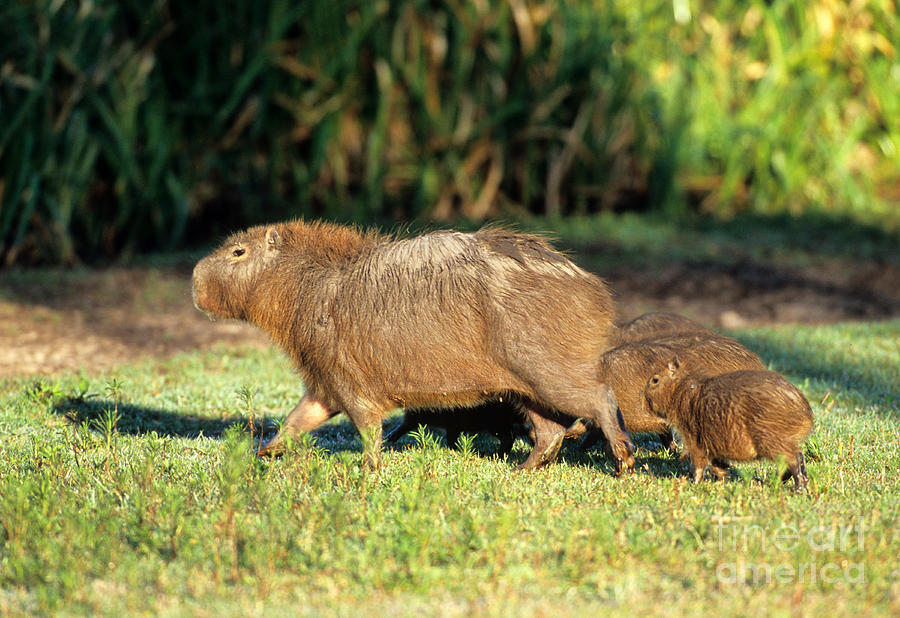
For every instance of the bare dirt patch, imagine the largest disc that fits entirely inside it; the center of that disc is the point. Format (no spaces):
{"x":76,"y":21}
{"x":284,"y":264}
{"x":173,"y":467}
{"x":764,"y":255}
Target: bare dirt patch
{"x":748,"y":293}
{"x":56,"y":321}
{"x":53,"y":321}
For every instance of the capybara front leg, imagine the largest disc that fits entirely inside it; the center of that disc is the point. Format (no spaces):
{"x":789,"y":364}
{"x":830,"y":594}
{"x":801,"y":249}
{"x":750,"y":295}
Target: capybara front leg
{"x":368,"y":423}
{"x":306,"y":416}
{"x":797,"y":470}
{"x":548,"y":438}
{"x":698,"y":466}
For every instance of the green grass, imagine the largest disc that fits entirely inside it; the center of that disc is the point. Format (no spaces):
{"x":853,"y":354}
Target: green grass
{"x":137,"y":491}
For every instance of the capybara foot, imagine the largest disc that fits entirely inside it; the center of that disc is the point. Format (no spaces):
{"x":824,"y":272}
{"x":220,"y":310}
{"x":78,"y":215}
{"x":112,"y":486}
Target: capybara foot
{"x":273,"y":448}
{"x":720,"y":469}
{"x":623,"y":455}
{"x":576,"y":430}
{"x":798,"y":472}
{"x":698,"y":473}
{"x":542,"y":456}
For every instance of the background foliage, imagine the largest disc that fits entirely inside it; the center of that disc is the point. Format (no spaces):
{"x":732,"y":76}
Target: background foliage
{"x":142,"y":124}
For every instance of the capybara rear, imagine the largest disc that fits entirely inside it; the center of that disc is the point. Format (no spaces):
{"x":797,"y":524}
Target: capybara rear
{"x":740,"y":416}
{"x":628,"y":367}
{"x":500,"y":418}
{"x":442,"y":320}
{"x":653,"y":325}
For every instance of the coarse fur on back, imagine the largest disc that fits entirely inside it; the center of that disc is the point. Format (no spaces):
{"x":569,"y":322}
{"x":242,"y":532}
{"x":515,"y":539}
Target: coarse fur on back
{"x":441,"y":320}
{"x":652,"y":326}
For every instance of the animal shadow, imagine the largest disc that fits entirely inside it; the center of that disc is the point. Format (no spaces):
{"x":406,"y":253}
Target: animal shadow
{"x":137,"y":420}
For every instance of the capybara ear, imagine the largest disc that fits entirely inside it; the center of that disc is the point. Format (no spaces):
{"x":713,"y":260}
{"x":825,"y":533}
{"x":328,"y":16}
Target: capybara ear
{"x":272,"y":238}
{"x":674,"y":366}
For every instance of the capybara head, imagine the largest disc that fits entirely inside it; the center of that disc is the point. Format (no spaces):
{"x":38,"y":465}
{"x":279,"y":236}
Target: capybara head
{"x":661,"y":387}
{"x":225,"y":281}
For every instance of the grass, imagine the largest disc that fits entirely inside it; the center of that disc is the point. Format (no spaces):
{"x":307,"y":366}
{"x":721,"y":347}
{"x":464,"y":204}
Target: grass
{"x":137,"y":491}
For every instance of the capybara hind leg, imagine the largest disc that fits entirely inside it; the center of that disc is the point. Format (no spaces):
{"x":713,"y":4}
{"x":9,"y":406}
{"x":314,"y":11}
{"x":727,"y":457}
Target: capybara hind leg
{"x":580,"y":428}
{"x":697,"y":471}
{"x":611,"y":423}
{"x":308,"y":414}
{"x":797,"y":470}
{"x":548,"y":438}
{"x":371,"y":439}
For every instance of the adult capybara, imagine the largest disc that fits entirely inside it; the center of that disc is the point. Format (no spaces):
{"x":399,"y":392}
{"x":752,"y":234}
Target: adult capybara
{"x":500,"y":418}
{"x":741,"y":416}
{"x":442,"y":320}
{"x":628,"y":367}
{"x":656,"y":324}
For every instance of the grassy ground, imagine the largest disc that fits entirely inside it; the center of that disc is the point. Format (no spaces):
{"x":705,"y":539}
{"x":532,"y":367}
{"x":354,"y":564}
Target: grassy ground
{"x":137,"y":491}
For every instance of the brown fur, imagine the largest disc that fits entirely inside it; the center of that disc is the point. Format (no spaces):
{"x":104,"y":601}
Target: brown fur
{"x":653,"y":325}
{"x":438,"y":321}
{"x":740,"y":416}
{"x":628,"y":367}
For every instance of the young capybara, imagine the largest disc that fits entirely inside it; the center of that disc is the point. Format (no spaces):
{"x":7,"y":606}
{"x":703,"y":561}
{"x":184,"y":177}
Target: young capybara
{"x":740,"y":416}
{"x":628,"y":367}
{"x":500,"y":418}
{"x":443,"y":320}
{"x":656,"y":324}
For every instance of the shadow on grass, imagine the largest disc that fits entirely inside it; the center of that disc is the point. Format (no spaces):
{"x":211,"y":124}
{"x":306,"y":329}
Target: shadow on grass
{"x":637,"y":239}
{"x":335,"y":436}
{"x":812,"y":363}
{"x":649,"y":457}
{"x":141,"y":420}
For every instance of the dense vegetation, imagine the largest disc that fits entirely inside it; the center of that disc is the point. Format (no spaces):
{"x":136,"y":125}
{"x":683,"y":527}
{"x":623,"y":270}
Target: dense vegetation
{"x":143,"y":124}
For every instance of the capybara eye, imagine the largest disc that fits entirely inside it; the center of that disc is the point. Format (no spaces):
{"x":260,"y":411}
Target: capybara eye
{"x":654,"y":380}
{"x":237,"y":252}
